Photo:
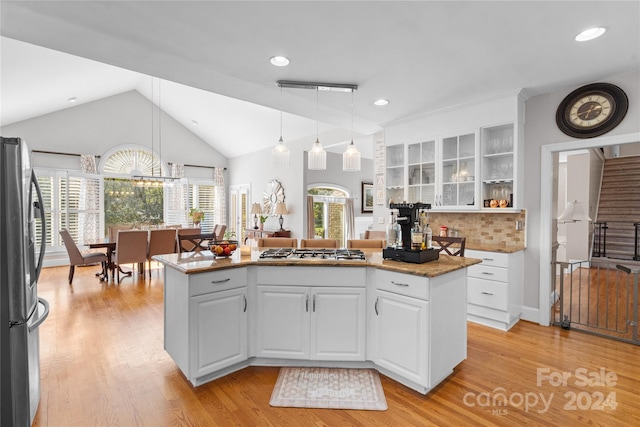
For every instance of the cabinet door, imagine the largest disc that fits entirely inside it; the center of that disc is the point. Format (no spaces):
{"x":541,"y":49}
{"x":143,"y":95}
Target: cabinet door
{"x":219,"y":334}
{"x":458,"y":172}
{"x":338,"y":323}
{"x":283,"y":322}
{"x":401,"y":328}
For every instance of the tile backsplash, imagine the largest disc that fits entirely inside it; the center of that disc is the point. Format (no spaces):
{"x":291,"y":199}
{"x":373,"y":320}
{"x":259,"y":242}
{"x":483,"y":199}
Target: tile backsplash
{"x":483,"y":228}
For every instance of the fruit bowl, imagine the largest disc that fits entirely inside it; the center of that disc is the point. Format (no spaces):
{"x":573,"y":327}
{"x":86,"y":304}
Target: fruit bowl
{"x":223,"y":248}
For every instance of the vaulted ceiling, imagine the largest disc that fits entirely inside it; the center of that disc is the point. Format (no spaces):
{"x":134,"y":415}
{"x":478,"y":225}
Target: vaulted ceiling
{"x":213,"y":58}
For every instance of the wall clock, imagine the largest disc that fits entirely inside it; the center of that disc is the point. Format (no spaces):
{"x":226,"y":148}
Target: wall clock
{"x":592,"y":110}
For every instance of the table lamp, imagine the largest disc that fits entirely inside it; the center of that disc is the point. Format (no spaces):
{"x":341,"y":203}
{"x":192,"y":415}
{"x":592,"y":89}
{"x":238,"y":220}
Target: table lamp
{"x":256,"y":210}
{"x":281,"y":209}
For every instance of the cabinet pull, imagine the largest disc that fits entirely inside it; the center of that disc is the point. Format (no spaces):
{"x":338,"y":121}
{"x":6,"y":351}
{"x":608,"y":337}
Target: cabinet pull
{"x":375,"y":307}
{"x":314,"y":303}
{"x":221,"y":281}
{"x":487,"y":273}
{"x":486,"y":293}
{"x":487,"y":259}
{"x":306,"y":303}
{"x":245,"y":303}
{"x":400,"y":284}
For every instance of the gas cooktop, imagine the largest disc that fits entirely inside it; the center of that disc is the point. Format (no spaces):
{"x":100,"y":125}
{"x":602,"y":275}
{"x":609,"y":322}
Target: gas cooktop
{"x":314,"y":254}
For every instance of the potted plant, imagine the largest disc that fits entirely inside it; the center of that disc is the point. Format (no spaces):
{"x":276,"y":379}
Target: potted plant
{"x":263,"y":219}
{"x":196,"y":216}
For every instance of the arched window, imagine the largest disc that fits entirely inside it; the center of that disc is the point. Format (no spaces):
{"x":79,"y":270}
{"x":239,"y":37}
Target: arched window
{"x":329,"y":212}
{"x":125,"y":159}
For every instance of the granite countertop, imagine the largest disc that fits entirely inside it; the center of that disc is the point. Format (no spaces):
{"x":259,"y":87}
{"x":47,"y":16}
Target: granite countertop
{"x":494,"y":247}
{"x":192,"y":262}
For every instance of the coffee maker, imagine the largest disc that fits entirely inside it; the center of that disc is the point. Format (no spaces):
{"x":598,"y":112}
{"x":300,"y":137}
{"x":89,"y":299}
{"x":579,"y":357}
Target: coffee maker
{"x":407,"y":216}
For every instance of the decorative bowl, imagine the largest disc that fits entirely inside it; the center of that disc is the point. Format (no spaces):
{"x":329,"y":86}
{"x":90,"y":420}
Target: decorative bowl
{"x":223,"y":248}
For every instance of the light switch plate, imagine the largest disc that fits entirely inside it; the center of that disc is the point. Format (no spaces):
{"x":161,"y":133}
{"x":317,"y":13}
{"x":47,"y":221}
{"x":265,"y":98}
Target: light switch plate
{"x":380,"y":220}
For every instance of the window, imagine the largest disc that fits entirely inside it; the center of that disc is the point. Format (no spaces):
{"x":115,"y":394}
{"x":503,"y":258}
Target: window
{"x":329,"y":213}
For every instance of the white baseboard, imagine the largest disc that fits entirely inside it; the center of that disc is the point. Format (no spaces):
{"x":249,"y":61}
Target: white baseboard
{"x":532,"y":314}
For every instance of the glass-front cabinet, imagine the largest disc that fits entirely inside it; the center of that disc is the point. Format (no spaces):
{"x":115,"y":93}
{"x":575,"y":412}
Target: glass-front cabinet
{"x":395,"y":166}
{"x":458,"y":173}
{"x":498,"y":167}
{"x":421,"y":172}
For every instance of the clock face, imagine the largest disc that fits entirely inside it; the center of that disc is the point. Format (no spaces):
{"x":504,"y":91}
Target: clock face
{"x":592,"y":110}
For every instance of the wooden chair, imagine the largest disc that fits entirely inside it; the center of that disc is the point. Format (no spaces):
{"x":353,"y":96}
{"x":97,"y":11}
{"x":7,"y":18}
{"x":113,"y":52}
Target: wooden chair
{"x":373,"y":234}
{"x":319,"y":243}
{"x":185,"y":245}
{"x":78,"y":258}
{"x":365,"y":244}
{"x":277,"y":242}
{"x":131,"y":248}
{"x":161,"y":242}
{"x":450,"y":245}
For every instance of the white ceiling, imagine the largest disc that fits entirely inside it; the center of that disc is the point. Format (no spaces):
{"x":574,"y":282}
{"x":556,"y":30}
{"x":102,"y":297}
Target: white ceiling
{"x":422,"y":56}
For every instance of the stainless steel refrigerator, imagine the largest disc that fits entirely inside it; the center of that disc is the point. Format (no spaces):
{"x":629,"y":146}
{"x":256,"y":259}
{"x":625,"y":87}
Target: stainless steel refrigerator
{"x":21,"y":310}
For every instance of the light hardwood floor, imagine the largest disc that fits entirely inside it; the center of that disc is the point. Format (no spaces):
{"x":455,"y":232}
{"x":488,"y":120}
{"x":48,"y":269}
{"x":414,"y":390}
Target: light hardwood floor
{"x":103,"y":364}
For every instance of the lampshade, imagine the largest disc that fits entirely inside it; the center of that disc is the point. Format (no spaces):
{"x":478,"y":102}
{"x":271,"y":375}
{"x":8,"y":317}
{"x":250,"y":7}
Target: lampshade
{"x":281,"y":209}
{"x":574,"y":211}
{"x":317,"y":157}
{"x":256,"y":209}
{"x":351,"y":159}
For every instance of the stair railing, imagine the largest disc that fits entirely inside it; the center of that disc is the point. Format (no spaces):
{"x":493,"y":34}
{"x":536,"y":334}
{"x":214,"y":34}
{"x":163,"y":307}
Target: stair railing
{"x":600,"y":239}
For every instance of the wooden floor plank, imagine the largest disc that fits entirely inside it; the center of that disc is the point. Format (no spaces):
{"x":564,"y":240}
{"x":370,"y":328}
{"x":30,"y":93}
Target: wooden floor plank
{"x":103,"y":364}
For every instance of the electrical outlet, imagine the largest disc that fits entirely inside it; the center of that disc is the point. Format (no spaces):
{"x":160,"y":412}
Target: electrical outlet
{"x":519,"y":225}
{"x":380,"y":220}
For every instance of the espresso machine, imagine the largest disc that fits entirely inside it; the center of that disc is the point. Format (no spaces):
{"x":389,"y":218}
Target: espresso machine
{"x":407,"y":216}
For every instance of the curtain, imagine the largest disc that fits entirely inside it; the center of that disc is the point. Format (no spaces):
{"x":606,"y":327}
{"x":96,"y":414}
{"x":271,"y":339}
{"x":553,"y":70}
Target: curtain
{"x":88,"y":163}
{"x":349,"y":219}
{"x":89,"y":191}
{"x":311,"y":231}
{"x":176,"y":197}
{"x":220,"y":216}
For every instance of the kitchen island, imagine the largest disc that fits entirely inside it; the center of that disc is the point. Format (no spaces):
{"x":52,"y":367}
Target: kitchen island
{"x":406,"y":320}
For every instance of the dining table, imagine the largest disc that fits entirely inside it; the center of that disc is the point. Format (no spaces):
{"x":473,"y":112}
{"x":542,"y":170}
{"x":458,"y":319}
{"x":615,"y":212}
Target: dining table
{"x":110,"y":266}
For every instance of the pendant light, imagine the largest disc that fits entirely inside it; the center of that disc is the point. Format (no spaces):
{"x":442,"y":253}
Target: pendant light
{"x":351,"y":157}
{"x":280,"y":153}
{"x":317,"y":157}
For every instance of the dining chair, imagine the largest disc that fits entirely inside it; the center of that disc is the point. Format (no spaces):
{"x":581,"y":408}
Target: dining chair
{"x":162,"y":241}
{"x":319,"y":243}
{"x":113,"y":230}
{"x":450,"y":245}
{"x":78,"y":258}
{"x":277,"y":242}
{"x":219,"y":230}
{"x":185,"y":245}
{"x":375,"y":234}
{"x":131,"y":248}
{"x":365,"y":244}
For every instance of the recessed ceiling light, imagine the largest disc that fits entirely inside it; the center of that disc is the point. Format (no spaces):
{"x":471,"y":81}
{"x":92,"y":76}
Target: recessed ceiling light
{"x":194,"y":122}
{"x":279,"y":61}
{"x":72,"y":99}
{"x":381,"y":102}
{"x":590,"y":34}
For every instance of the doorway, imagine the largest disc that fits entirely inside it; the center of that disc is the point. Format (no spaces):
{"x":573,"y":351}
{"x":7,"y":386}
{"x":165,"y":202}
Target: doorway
{"x":238,"y":210}
{"x":548,"y":222}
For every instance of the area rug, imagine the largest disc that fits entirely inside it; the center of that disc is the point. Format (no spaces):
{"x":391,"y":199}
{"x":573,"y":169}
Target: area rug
{"x":333,"y":388}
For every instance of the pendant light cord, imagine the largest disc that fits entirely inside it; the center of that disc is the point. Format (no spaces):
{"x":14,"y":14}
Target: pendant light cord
{"x":281,"y":112}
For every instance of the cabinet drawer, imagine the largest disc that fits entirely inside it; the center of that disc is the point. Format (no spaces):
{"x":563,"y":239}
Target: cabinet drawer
{"x":312,"y":276}
{"x":403,"y":284}
{"x":487,"y":293}
{"x":214,"y":281}
{"x":488,"y":272}
{"x":495,"y":259}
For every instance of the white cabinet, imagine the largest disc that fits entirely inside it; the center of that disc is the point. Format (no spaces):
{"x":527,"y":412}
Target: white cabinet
{"x":442,"y":172}
{"x":418,"y":327}
{"x":401,"y":335}
{"x":323,"y":322}
{"x":205,"y":322}
{"x":219,"y":331}
{"x":495,"y":288}
{"x":458,"y":172}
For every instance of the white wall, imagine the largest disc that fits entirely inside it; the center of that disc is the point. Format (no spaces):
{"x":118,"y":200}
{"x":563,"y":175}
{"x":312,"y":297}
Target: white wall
{"x":98,"y":126}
